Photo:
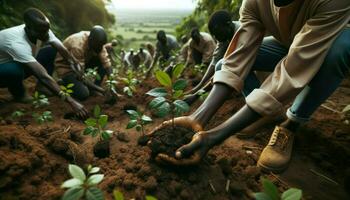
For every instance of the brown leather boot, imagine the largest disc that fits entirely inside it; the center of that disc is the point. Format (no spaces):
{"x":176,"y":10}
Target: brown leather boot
{"x":252,"y":130}
{"x":276,"y":155}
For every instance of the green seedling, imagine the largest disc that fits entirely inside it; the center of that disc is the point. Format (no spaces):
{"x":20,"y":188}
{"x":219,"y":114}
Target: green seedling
{"x":67,"y":90}
{"x":202,"y":94}
{"x":17,"y":114}
{"x":83,"y":185}
{"x":138,"y":120}
{"x":111,"y":83}
{"x":91,"y":74}
{"x":95,"y":126}
{"x":167,"y":99}
{"x":131,"y":83}
{"x":43,"y":118}
{"x":270,"y":192}
{"x":40,"y":100}
{"x":119,"y":196}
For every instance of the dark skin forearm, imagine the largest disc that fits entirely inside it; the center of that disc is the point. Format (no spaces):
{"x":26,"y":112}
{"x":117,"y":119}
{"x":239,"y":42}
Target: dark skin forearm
{"x":208,"y":74}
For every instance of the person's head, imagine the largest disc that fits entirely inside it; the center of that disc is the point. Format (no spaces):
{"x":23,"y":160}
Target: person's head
{"x":97,"y":39}
{"x":37,"y":25}
{"x":141,"y":50}
{"x":220,"y":26}
{"x":280,"y":3}
{"x":114,"y":43}
{"x":161,"y":37}
{"x":195,"y":35}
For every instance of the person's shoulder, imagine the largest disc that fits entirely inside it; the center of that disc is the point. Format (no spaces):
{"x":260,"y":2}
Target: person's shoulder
{"x":330,"y":5}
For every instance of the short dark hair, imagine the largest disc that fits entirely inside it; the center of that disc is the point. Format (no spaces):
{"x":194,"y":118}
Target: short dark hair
{"x":34,"y":17}
{"x":194,"y":31}
{"x":160,"y":34}
{"x":219,"y":18}
{"x":98,"y":34}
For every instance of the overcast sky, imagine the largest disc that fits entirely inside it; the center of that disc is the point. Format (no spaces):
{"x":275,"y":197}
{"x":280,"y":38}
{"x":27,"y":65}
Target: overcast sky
{"x":154,"y":4}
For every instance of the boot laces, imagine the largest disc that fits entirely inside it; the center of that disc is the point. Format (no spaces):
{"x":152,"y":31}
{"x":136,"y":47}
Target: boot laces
{"x":279,"y":138}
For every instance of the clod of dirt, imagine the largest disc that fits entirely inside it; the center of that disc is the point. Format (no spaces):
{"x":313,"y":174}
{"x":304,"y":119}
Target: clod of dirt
{"x":236,"y":188}
{"x":151,"y":184}
{"x":121,"y":136}
{"x":129,"y":106}
{"x":143,"y":140}
{"x":168,"y":139}
{"x":347,"y":181}
{"x":225,"y":165}
{"x":102,"y":149}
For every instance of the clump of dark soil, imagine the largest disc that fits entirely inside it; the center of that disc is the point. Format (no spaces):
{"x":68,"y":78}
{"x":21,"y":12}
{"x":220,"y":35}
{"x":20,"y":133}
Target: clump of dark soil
{"x":102,"y":149}
{"x":168,"y":139}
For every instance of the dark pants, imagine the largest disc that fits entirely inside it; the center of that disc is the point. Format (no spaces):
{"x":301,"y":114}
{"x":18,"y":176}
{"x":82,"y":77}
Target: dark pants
{"x":13,"y":73}
{"x":334,"y":69}
{"x":80,"y":90}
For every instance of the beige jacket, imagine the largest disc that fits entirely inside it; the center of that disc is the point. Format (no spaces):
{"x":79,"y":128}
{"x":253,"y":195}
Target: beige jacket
{"x":77,"y":45}
{"x":307,"y":27}
{"x":206,"y":46}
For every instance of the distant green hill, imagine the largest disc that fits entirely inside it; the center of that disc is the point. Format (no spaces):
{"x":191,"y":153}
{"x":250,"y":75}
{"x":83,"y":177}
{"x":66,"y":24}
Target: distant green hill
{"x":66,"y":16}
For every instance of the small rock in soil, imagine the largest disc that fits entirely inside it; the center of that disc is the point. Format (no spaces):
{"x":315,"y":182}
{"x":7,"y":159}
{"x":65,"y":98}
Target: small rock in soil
{"x":121,"y":136}
{"x":236,"y":187}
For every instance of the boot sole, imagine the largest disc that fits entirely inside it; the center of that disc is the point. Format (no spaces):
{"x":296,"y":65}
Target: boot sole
{"x":272,"y":169}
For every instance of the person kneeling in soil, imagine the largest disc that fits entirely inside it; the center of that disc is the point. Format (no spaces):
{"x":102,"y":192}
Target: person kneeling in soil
{"x":308,"y":57}
{"x":222,"y":28}
{"x":88,"y":48}
{"x":21,"y":56}
{"x":111,"y":51}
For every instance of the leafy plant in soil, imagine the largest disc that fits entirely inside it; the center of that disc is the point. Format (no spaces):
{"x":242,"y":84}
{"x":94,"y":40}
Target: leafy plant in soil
{"x":138,"y":120}
{"x":119,"y":196}
{"x":91,"y":74}
{"x":167,"y":101}
{"x":43,"y":118}
{"x":270,"y":192}
{"x":67,"y":90}
{"x":111,"y":84}
{"x":18,"y":115}
{"x":83,"y":185}
{"x":40,"y":100}
{"x":96,"y":126}
{"x":130,"y":82}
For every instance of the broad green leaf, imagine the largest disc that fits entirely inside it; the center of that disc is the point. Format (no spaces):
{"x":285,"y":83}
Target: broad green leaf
{"x":138,"y":128}
{"x":72,"y":183}
{"x":88,"y":130}
{"x":181,"y":106}
{"x":292,"y":194}
{"x":63,"y":88}
{"x":106,"y":134}
{"x":97,"y":111}
{"x":69,"y":91}
{"x":94,"y":194}
{"x":346,"y":109}
{"x":157,"y":92}
{"x":95,"y":179}
{"x":74,"y":193}
{"x":76,"y":172}
{"x":177,"y":70}
{"x":133,"y":114}
{"x":180,"y":84}
{"x":131,"y":124}
{"x":146,"y":118}
{"x":95,"y":132}
{"x":118,"y":195}
{"x":270,"y":189}
{"x":91,"y":122}
{"x":163,"y":78}
{"x":178,"y":94}
{"x":70,"y":85}
{"x":261,"y":196}
{"x":94,"y":170}
{"x":150,"y":198}
{"x":156,"y":102}
{"x":163,"y":110}
{"x":102,"y":121}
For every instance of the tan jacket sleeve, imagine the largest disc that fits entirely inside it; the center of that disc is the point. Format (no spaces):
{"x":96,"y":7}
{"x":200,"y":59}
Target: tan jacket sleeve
{"x":305,"y":57}
{"x":242,"y":51}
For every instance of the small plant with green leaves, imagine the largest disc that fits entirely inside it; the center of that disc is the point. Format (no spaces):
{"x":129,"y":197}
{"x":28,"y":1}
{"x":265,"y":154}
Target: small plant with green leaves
{"x":67,"y":90}
{"x":138,"y":120}
{"x":18,"y":114}
{"x":95,"y":126}
{"x":83,"y":185}
{"x":40,"y":100}
{"x":43,"y":118}
{"x":119,"y":196}
{"x":270,"y":192}
{"x":130,"y":82}
{"x":91,"y":74}
{"x":167,"y":99}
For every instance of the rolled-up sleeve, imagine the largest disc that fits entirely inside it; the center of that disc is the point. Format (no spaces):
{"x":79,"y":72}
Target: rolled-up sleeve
{"x":304,"y":59}
{"x":242,"y":51}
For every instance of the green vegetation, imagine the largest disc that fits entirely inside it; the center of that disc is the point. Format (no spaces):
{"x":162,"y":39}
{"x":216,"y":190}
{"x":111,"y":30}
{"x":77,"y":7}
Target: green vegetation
{"x":40,"y":100}
{"x":130,"y":83}
{"x":67,"y":90}
{"x":119,"y":196}
{"x":83,"y":185}
{"x":270,"y":192}
{"x":91,"y":74}
{"x":138,"y":120}
{"x":96,"y":125}
{"x":64,"y":15}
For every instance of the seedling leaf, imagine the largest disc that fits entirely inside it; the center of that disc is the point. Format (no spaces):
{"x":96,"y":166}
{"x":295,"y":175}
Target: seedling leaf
{"x":157,"y":92}
{"x":156,"y":102}
{"x":270,"y":189}
{"x":72,"y":183}
{"x":76,"y":172}
{"x":180,"y":84}
{"x":94,"y":194}
{"x":74,"y":193}
{"x":102,"y":121}
{"x":97,"y":111}
{"x":292,"y":194}
{"x":163,"y":78}
{"x":261,"y":196}
{"x":131,"y":124}
{"x":95,"y":179}
{"x":118,"y":195}
{"x":178,"y":69}
{"x":133,"y":114}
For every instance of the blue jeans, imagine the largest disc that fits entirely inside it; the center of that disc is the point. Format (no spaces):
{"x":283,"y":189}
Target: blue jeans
{"x":13,"y":73}
{"x":333,"y":70}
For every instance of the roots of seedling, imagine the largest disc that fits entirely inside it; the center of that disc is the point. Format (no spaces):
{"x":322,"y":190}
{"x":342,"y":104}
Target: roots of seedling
{"x":169,"y":139}
{"x":102,"y":149}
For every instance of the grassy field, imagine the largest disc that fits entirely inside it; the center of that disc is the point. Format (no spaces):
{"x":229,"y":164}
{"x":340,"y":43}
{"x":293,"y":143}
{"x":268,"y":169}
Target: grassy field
{"x":135,"y":27}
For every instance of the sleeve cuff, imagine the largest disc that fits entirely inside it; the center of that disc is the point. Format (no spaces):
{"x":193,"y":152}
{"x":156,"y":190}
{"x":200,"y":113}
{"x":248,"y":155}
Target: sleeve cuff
{"x":229,"y":79}
{"x":263,"y":103}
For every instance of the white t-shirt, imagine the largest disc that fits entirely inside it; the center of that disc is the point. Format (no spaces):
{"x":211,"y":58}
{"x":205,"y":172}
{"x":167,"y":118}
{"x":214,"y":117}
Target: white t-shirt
{"x":15,"y":45}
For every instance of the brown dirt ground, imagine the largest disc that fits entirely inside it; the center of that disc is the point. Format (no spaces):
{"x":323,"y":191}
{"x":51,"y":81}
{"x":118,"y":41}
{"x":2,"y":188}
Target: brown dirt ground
{"x":34,"y":159}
